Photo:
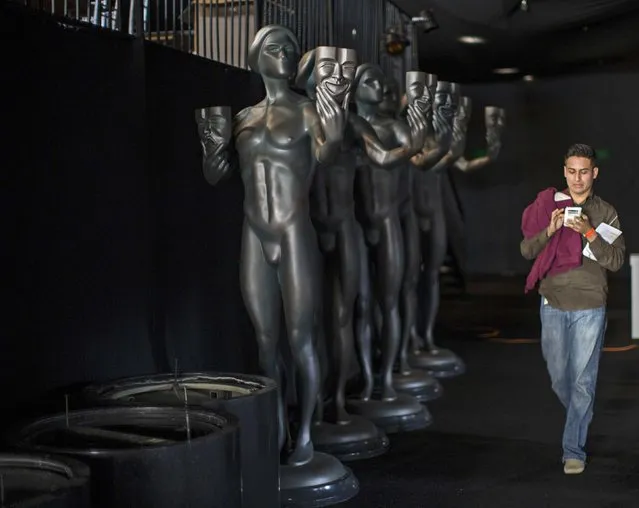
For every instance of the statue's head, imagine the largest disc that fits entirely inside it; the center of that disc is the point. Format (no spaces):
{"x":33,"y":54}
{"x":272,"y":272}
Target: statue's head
{"x":390,"y":101}
{"x":274,"y":52}
{"x":369,"y":84}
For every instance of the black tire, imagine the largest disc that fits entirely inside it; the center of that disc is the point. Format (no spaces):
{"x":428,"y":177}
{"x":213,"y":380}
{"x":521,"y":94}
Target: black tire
{"x":43,"y":481}
{"x":146,"y":457}
{"x":252,"y":399}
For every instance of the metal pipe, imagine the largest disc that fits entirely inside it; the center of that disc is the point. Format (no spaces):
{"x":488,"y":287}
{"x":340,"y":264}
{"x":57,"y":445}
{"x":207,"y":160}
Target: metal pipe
{"x":232,"y":32}
{"x":217,"y":30}
{"x":226,"y":33}
{"x":247,"y":28}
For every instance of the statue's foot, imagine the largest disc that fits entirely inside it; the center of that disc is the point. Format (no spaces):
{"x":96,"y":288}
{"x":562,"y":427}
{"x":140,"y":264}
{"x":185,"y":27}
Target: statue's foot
{"x":302,"y":454}
{"x":404,"y":368}
{"x":388,"y":393}
{"x":341,"y":416}
{"x":367,"y":392}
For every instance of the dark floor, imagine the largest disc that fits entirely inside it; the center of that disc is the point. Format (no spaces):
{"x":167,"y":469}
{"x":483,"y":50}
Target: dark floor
{"x":496,"y":437}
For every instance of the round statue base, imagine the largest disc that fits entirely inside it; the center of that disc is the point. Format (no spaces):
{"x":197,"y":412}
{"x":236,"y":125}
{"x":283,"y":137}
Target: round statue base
{"x":401,"y":414}
{"x":440,"y":363}
{"x":324,"y":481}
{"x":418,"y":383}
{"x":356,"y":439}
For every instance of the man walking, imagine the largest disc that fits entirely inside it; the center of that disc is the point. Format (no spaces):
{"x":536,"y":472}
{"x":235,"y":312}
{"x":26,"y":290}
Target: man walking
{"x":573,"y":288}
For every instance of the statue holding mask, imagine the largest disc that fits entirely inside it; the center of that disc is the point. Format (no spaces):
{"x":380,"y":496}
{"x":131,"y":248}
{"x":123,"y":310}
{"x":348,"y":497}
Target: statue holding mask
{"x":382,"y":254}
{"x":414,"y":382}
{"x":278,"y":143}
{"x":431,"y":219}
{"x":336,"y":431}
{"x":442,"y":362}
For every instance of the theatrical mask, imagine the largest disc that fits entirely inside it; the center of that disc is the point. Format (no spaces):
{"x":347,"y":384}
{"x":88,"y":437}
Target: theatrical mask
{"x":214,"y":127}
{"x":417,"y":92}
{"x":495,"y":121}
{"x":460,"y":126}
{"x":334,"y":71}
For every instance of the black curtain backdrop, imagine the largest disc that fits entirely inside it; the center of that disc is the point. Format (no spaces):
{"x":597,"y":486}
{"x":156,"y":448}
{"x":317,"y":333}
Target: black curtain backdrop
{"x":117,"y":257}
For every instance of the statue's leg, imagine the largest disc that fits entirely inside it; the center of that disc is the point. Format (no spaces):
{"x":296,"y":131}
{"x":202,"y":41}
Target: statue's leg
{"x":434,"y":252}
{"x":389,"y":262}
{"x":261,"y":294}
{"x":344,"y":285}
{"x":411,"y":236}
{"x":364,"y":315}
{"x":320,"y":337}
{"x":301,"y":294}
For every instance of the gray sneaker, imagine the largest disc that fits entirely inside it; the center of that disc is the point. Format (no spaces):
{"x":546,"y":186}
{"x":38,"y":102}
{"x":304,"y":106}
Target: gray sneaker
{"x":574,"y":466}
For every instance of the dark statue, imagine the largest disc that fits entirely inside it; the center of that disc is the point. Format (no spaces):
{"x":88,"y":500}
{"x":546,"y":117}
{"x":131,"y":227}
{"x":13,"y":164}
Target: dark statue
{"x":442,"y":362}
{"x":430,"y":211}
{"x":382,"y":251}
{"x":417,"y":382}
{"x":333,"y":213}
{"x":278,"y":144}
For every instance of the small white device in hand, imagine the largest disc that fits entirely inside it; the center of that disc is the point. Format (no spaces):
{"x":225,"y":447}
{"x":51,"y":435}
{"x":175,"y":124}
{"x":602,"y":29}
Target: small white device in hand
{"x":571,"y":212}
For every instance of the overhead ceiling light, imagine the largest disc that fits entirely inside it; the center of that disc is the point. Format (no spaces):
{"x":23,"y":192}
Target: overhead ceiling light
{"x":425,"y":21}
{"x":529,"y":77}
{"x":506,"y":70}
{"x":471,"y":39}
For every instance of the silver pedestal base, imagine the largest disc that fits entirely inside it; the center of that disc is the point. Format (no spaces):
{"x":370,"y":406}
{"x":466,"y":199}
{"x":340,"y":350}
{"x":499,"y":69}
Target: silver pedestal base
{"x":418,"y":383}
{"x":324,"y":481}
{"x":402,"y":414}
{"x":356,"y":439}
{"x":440,"y":363}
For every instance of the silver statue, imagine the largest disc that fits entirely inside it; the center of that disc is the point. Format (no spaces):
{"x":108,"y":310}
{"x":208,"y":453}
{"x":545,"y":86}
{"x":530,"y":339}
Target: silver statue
{"x":430,"y":211}
{"x":278,"y":143}
{"x":333,"y":212}
{"x":382,"y":252}
{"x":406,"y":380}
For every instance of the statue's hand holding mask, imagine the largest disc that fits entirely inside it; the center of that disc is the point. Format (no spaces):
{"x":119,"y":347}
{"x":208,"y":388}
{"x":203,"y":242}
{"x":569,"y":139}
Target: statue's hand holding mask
{"x":333,"y":74}
{"x":419,"y":108}
{"x":444,"y":109}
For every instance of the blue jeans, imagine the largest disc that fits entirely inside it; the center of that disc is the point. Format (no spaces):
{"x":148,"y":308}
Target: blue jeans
{"x":571,"y":343}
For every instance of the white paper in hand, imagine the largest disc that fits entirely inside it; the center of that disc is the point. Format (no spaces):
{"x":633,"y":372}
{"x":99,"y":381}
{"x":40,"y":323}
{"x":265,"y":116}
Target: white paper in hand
{"x":607,"y":233}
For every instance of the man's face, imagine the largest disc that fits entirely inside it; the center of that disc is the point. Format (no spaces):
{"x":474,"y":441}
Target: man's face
{"x":580,"y":174}
{"x":335,"y":70}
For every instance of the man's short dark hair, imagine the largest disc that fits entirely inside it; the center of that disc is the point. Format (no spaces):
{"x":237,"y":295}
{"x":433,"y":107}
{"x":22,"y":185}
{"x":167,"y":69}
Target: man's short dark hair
{"x":581,"y":150}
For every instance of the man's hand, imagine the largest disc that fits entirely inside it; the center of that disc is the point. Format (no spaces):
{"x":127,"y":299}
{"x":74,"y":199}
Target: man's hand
{"x":580,"y":224}
{"x":556,"y":221}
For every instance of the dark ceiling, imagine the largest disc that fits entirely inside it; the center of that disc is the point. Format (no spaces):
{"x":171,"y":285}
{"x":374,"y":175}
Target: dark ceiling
{"x":551,"y":37}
